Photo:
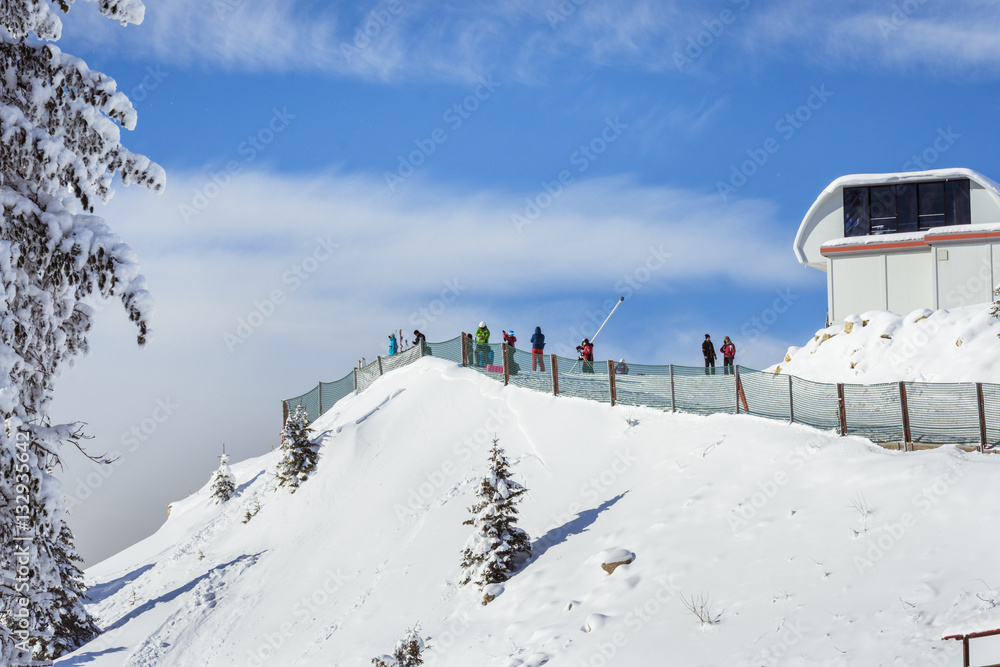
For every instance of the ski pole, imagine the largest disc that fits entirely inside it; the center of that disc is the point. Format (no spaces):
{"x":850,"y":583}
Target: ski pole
{"x":601,"y":327}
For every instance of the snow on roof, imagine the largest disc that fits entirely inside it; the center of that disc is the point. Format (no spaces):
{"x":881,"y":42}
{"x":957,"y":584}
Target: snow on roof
{"x":927,"y":236}
{"x":810,"y":219}
{"x":986,"y":621}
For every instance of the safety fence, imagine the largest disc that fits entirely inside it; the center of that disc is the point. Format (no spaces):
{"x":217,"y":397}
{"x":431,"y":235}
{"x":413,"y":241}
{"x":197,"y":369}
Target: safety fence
{"x":908,"y":413}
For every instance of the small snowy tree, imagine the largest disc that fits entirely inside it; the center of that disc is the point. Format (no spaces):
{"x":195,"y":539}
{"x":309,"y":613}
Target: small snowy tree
{"x":223,"y":484}
{"x":492,"y":552}
{"x":72,"y":625}
{"x":299,"y":455}
{"x":407,"y":653}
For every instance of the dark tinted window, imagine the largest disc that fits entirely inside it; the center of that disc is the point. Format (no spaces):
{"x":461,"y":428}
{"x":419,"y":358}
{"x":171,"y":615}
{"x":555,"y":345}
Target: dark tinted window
{"x":957,"y":208}
{"x":855,"y":211}
{"x":906,"y":208}
{"x":930,"y":200}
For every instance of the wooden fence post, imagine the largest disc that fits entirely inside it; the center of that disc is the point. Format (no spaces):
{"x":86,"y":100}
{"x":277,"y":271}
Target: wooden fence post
{"x":904,"y":407}
{"x":842,"y":408}
{"x":380,"y":364}
{"x":983,"y":444}
{"x":355,"y":379}
{"x":673,"y":396}
{"x":320,"y":385}
{"x":791,"y":407}
{"x":740,"y":396}
{"x":465,"y":351}
{"x":555,"y":376}
{"x":506,"y":364}
{"x":611,"y":382}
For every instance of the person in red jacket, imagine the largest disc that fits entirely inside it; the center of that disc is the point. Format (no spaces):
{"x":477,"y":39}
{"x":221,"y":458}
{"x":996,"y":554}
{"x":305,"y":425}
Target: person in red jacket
{"x":586,"y":350}
{"x":728,"y":354}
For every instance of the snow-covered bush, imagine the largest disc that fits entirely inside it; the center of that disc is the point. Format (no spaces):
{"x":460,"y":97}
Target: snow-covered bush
{"x":223,"y":484}
{"x":61,"y":124}
{"x":496,"y":546}
{"x":407,"y":652}
{"x":299,"y":455}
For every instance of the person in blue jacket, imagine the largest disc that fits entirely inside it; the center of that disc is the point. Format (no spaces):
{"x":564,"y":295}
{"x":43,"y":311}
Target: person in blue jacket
{"x":537,"y":345}
{"x":392,"y":344}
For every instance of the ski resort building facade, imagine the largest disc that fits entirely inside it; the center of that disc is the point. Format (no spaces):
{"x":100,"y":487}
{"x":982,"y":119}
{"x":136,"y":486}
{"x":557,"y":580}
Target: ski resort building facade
{"x":905,"y":241}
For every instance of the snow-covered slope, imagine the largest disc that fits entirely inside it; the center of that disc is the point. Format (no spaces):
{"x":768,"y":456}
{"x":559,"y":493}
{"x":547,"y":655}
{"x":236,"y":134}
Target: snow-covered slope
{"x":812,"y":549}
{"x":957,"y":345}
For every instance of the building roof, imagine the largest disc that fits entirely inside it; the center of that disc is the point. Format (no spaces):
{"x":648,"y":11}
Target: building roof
{"x":813,"y":215}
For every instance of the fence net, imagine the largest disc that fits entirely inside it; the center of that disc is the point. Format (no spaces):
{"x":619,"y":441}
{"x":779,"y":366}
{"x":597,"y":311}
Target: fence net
{"x":937,"y":413}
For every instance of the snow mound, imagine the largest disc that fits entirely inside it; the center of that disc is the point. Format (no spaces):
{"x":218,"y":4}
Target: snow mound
{"x":957,"y":345}
{"x":765,"y":526}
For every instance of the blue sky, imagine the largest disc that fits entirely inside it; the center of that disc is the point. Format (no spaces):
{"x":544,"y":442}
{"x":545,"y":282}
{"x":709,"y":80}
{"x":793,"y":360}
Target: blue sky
{"x":684,"y":137}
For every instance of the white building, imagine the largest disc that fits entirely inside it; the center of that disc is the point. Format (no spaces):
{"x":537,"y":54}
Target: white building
{"x":899,"y":242}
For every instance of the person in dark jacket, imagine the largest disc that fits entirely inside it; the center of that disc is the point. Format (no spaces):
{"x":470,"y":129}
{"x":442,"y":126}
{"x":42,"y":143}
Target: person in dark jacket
{"x":586,"y":350}
{"x":421,"y":340}
{"x":708,"y":351}
{"x":537,"y":345}
{"x":508,"y":337}
{"x":621,"y":368}
{"x":728,"y":353}
{"x":470,"y":350}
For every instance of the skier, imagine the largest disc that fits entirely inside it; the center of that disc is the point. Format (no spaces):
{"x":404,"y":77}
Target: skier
{"x":621,"y":368}
{"x":586,"y":350}
{"x":483,"y":350}
{"x":708,"y":351}
{"x":508,"y":337}
{"x":392,"y":344}
{"x":728,"y":353}
{"x":537,"y":345}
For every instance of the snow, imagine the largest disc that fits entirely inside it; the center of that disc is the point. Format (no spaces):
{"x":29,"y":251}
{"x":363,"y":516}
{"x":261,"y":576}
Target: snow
{"x":953,"y":345}
{"x":760,"y":519}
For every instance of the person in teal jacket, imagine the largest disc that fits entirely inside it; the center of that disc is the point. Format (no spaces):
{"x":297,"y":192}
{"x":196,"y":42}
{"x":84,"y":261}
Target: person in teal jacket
{"x":393,"y":345}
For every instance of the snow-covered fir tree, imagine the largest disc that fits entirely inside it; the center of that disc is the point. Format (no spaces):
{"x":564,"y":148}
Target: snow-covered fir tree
{"x":493,"y":550}
{"x":408,"y":651}
{"x":60,"y":123}
{"x":223,"y":485}
{"x":299,"y":455}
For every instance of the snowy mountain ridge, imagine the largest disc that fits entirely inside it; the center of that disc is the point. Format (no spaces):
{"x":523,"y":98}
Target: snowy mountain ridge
{"x":797,"y":546}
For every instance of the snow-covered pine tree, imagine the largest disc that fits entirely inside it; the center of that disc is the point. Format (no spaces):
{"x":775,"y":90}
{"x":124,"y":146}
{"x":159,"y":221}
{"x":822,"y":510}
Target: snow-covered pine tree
{"x":407,"y":652}
{"x":60,"y":123}
{"x":299,"y":455}
{"x":72,"y":625}
{"x":494,"y":548}
{"x":223,"y":485}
